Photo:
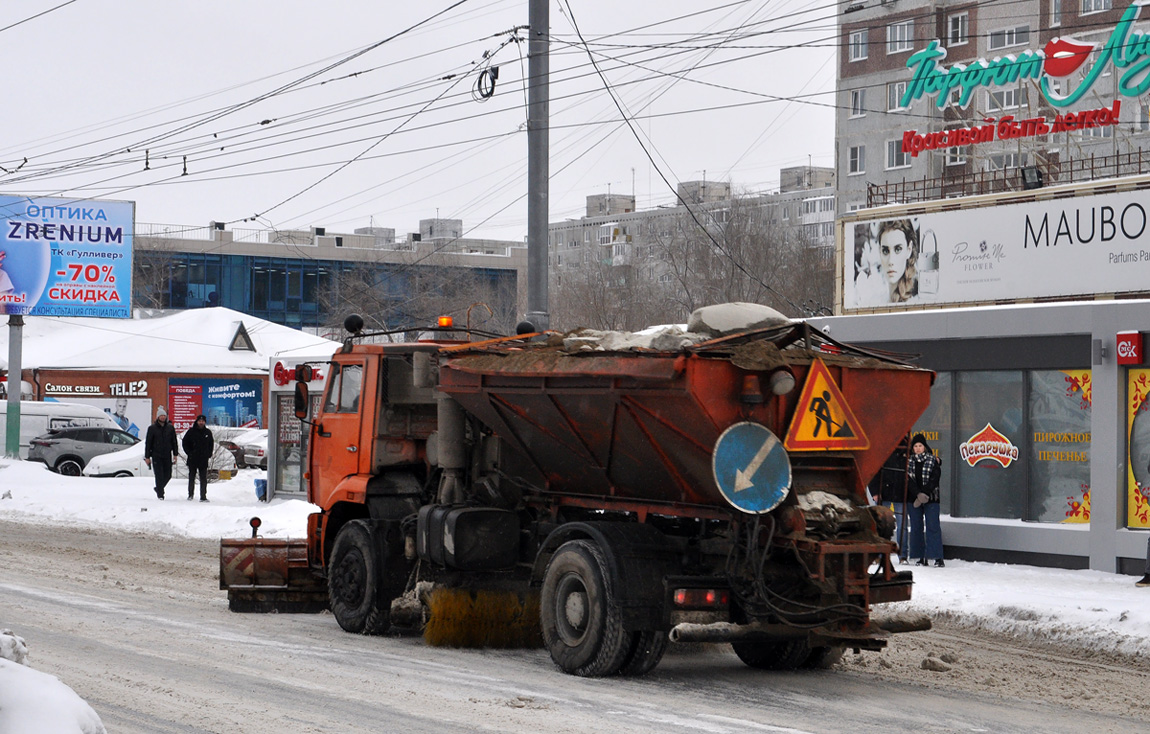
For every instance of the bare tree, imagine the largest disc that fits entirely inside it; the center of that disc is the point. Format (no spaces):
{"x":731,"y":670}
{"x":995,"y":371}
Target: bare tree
{"x":413,"y":291}
{"x":734,"y":252}
{"x":152,"y":274}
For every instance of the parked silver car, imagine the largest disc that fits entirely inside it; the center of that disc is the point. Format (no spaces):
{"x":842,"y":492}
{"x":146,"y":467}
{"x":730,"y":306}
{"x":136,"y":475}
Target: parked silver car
{"x":68,"y":450}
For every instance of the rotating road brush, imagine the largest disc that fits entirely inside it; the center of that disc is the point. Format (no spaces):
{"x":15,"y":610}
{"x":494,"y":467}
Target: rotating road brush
{"x":482,"y":618}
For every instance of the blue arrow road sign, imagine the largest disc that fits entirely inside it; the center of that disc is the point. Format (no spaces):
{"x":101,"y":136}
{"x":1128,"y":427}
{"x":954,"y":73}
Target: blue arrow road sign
{"x":751,"y":468}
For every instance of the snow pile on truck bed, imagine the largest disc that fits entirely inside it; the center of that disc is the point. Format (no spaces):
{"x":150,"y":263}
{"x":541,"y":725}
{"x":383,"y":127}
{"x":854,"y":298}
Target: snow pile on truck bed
{"x":705,"y":323}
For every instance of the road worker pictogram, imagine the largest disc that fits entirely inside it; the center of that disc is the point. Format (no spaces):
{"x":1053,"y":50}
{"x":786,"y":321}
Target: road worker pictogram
{"x":823,"y":421}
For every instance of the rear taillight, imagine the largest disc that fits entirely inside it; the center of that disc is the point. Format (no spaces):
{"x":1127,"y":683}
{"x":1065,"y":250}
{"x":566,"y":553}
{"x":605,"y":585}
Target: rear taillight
{"x":701,"y":598}
{"x":35,"y":442}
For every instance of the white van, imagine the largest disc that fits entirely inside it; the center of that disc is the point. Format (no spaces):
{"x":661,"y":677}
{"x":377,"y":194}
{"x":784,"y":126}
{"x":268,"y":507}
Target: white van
{"x":37,"y":418}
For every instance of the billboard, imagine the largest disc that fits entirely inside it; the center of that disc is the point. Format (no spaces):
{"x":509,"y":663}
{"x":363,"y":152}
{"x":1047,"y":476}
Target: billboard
{"x":224,"y":402}
{"x":66,"y":257}
{"x":1063,"y":247}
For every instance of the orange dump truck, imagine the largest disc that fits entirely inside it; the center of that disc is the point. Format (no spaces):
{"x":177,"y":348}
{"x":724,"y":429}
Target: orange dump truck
{"x":711,"y":490}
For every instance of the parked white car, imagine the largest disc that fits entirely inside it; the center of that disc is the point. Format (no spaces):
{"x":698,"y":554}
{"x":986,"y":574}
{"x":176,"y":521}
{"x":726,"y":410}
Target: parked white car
{"x":255,"y":446}
{"x":130,"y":463}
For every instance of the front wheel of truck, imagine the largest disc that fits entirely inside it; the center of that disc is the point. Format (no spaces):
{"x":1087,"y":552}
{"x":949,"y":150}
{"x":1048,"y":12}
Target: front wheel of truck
{"x":581,"y":621}
{"x":354,"y":590}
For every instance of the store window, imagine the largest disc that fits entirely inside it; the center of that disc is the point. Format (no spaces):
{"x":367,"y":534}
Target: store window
{"x":1138,"y":444}
{"x":935,"y":424}
{"x":1059,"y":414}
{"x":990,"y":467}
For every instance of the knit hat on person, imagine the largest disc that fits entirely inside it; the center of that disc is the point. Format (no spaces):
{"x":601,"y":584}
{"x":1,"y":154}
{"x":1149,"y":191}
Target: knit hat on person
{"x":920,"y":438}
{"x":161,"y":411}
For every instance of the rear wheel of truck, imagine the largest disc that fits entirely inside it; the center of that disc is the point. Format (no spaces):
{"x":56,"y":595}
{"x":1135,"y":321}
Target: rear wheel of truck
{"x":646,"y":650}
{"x":581,"y":622}
{"x":354,"y":590}
{"x":823,"y":657}
{"x":773,"y":654}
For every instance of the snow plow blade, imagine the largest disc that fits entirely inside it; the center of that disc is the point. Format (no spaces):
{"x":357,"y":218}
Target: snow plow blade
{"x":270,"y":575}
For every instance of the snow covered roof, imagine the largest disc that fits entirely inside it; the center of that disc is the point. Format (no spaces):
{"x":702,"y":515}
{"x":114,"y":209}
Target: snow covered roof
{"x":202,"y":340}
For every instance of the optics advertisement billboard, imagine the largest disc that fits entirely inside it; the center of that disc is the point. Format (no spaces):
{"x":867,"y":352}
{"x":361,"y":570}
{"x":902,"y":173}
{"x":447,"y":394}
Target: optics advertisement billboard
{"x":66,"y":257}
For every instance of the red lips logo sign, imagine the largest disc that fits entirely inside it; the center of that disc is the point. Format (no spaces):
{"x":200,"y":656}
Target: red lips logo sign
{"x":988,"y":445}
{"x":1064,"y":57}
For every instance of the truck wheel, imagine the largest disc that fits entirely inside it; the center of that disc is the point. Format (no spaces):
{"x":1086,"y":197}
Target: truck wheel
{"x":646,"y":650}
{"x":69,"y":467}
{"x":824,"y":657}
{"x":773,"y":654}
{"x":353,"y":586}
{"x":581,"y":622}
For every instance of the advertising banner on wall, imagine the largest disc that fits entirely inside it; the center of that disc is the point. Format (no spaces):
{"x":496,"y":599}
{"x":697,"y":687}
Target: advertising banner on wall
{"x":1063,"y":247}
{"x":1138,"y":445}
{"x":225,"y":402}
{"x":66,"y":257}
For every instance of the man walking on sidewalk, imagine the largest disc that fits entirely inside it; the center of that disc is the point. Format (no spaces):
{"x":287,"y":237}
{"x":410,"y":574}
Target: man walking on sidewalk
{"x":161,"y":450}
{"x":198,"y":445}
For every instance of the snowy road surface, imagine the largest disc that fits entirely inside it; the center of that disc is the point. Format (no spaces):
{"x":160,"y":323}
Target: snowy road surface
{"x":136,"y":625}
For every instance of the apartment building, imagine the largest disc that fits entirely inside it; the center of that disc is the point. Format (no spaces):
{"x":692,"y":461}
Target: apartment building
{"x":913,"y":75}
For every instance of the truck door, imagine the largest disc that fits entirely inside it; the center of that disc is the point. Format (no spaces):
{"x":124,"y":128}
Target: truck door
{"x":336,"y":451}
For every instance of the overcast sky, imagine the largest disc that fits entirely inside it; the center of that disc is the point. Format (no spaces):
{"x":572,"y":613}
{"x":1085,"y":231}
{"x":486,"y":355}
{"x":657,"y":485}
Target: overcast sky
{"x":110,"y":95}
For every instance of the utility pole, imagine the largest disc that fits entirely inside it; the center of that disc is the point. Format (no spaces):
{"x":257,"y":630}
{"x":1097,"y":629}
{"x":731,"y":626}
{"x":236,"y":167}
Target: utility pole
{"x":15,"y":385}
{"x":538,"y":112}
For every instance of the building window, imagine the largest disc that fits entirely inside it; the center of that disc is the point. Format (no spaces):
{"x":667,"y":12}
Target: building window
{"x":894,"y":95}
{"x":1005,"y":160}
{"x":994,"y":398}
{"x":857,"y":160}
{"x":899,"y":37}
{"x":1096,"y":6}
{"x":1143,"y":123}
{"x":895,"y":158}
{"x":828,"y":229}
{"x":958,"y":29}
{"x":858,"y":45}
{"x":1055,"y":13}
{"x":1059,"y":414}
{"x":955,"y":157}
{"x":1006,"y":99}
{"x":1097,"y":133}
{"x":1007,"y":37}
{"x":858,"y":102}
{"x":786,"y":213}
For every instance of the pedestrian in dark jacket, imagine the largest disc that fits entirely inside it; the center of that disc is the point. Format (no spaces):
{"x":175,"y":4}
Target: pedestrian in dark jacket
{"x":891,"y":488}
{"x":161,"y":450}
{"x":199,"y":446}
{"x":925,"y":471}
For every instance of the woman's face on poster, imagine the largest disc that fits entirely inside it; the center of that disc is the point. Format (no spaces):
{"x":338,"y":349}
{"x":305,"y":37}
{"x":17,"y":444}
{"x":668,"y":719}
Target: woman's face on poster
{"x":894,"y":251}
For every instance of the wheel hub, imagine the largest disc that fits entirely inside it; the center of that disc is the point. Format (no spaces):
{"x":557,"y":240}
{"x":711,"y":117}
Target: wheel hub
{"x":571,"y":610}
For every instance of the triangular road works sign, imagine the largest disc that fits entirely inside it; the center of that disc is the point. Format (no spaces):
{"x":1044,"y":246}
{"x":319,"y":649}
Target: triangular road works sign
{"x":823,"y":421}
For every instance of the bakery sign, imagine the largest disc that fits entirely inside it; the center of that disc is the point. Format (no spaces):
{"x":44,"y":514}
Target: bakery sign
{"x":990,"y":446}
{"x":1126,"y":52}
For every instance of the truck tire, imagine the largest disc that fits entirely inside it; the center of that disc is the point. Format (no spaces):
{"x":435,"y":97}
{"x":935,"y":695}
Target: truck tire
{"x":355,"y":595}
{"x":646,"y":650}
{"x":824,"y":657}
{"x":773,"y":654}
{"x":581,"y":622}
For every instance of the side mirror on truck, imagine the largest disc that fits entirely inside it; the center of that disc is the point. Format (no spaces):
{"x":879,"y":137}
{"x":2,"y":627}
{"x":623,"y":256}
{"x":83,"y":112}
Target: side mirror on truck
{"x":300,"y":403}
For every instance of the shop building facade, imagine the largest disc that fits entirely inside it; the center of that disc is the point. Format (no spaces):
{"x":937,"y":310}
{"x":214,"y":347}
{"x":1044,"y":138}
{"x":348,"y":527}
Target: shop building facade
{"x":1042,"y":423}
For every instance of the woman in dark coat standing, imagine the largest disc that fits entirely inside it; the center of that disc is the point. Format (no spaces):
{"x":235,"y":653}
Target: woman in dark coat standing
{"x":199,"y":446}
{"x":891,"y":488}
{"x":924,"y":472}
